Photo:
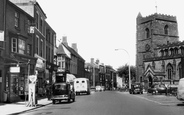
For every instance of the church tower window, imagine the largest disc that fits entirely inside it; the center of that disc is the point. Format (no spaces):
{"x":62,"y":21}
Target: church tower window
{"x":166,"y":29}
{"x":147,"y":33}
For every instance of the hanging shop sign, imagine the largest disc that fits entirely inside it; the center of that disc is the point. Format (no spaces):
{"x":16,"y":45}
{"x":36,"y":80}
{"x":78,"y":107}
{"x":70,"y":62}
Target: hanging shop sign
{"x":40,"y":64}
{"x":14,"y":69}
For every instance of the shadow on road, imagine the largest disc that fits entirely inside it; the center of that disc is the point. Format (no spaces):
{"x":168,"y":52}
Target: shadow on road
{"x":180,"y":104}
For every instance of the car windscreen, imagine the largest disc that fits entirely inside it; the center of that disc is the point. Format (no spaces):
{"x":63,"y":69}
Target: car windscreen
{"x":60,"y":89}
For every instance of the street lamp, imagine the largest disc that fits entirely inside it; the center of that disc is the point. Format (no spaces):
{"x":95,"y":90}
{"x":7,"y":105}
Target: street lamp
{"x":128,"y":67}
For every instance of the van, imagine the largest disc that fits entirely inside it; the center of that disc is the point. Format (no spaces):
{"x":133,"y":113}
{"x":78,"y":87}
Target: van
{"x":180,"y":90}
{"x":81,"y":85}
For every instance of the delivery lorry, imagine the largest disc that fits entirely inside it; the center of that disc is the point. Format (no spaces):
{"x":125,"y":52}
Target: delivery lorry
{"x":63,"y":88}
{"x":81,"y":85}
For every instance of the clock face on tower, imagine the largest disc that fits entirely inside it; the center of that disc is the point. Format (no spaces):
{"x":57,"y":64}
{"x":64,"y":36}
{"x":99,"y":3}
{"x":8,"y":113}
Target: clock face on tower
{"x":147,"y":47}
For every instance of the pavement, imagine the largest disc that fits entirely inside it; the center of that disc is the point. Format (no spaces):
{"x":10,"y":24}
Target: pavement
{"x":20,"y":107}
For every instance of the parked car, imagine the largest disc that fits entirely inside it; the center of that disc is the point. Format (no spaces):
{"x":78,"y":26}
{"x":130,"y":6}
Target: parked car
{"x":152,"y":89}
{"x":157,"y":89}
{"x":180,"y":90}
{"x":98,"y":88}
{"x":102,"y":88}
{"x":172,"y":89}
{"x":162,"y":89}
{"x":136,"y":88}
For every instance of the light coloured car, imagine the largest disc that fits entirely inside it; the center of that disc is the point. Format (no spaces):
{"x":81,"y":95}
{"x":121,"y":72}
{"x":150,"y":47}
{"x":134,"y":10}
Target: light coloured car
{"x":98,"y":88}
{"x":102,"y":88}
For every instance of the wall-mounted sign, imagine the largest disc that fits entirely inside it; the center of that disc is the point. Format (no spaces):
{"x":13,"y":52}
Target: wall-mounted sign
{"x":1,"y":35}
{"x":32,"y":29}
{"x":14,"y":69}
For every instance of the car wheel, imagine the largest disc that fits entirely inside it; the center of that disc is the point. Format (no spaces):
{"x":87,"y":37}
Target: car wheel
{"x":73,"y":99}
{"x":69,"y":100}
{"x":53,"y":101}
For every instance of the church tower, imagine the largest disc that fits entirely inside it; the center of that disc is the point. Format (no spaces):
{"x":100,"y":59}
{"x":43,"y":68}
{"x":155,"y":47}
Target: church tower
{"x":153,"y":30}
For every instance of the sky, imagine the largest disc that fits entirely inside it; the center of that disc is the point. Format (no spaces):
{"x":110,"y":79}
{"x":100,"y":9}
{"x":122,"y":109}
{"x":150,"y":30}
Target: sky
{"x":101,"y":26}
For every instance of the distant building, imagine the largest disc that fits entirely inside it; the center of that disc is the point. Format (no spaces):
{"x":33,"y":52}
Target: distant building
{"x":68,"y":59}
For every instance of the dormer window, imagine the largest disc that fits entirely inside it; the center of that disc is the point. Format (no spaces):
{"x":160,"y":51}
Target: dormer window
{"x":166,"y":29}
{"x":147,"y":33}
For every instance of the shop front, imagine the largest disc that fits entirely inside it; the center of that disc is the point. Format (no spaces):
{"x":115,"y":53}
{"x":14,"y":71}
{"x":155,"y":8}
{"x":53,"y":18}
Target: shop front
{"x":50,"y":75}
{"x":16,"y":71}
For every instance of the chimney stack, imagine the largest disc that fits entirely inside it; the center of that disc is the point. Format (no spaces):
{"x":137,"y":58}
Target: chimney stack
{"x":64,"y":40}
{"x":74,"y":46}
{"x":92,"y":60}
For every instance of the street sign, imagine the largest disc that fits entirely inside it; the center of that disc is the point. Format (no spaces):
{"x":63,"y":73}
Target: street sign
{"x":14,"y":69}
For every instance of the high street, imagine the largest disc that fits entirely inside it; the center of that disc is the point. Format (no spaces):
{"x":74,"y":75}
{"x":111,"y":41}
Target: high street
{"x":114,"y":103}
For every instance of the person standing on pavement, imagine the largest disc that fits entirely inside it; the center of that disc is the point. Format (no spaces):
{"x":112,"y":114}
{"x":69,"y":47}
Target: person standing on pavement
{"x":48,"y":92}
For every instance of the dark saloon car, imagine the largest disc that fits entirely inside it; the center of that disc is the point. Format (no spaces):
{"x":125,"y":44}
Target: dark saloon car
{"x":157,"y":89}
{"x":136,"y":88}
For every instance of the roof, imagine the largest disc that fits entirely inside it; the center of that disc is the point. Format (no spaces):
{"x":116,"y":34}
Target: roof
{"x":72,"y":51}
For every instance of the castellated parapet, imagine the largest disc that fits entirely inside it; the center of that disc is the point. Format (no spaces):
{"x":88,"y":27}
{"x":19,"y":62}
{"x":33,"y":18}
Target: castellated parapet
{"x":156,"y":16}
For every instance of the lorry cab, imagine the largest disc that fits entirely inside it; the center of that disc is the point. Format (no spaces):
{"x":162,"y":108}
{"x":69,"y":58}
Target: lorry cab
{"x":180,"y":90}
{"x":63,"y":91}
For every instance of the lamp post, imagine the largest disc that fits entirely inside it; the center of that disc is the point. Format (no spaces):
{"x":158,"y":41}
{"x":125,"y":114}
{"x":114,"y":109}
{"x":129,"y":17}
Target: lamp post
{"x":128,"y":67}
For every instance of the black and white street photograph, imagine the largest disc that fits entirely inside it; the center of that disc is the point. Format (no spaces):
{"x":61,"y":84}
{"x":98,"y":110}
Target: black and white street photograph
{"x":91,"y":57}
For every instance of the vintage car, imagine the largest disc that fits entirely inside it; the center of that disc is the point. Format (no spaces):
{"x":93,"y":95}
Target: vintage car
{"x":136,"y":88}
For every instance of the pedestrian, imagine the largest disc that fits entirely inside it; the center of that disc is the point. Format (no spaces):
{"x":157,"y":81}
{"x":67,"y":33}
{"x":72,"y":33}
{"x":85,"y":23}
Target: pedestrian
{"x":48,"y":92}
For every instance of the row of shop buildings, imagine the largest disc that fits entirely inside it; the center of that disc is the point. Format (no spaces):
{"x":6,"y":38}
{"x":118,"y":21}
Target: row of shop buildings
{"x":27,"y":46}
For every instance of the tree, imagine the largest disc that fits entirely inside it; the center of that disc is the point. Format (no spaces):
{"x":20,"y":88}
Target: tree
{"x":123,"y":72}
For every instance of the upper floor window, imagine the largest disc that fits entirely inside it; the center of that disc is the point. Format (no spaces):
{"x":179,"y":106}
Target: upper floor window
{"x":28,"y":26}
{"x":41,"y":25}
{"x":29,"y":49}
{"x":147,"y":33}
{"x":37,"y":20}
{"x":18,"y":46}
{"x":166,"y":29}
{"x":14,"y":45}
{"x":41,"y":47}
{"x":21,"y":46}
{"x":17,"y":19}
{"x":37,"y":45}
